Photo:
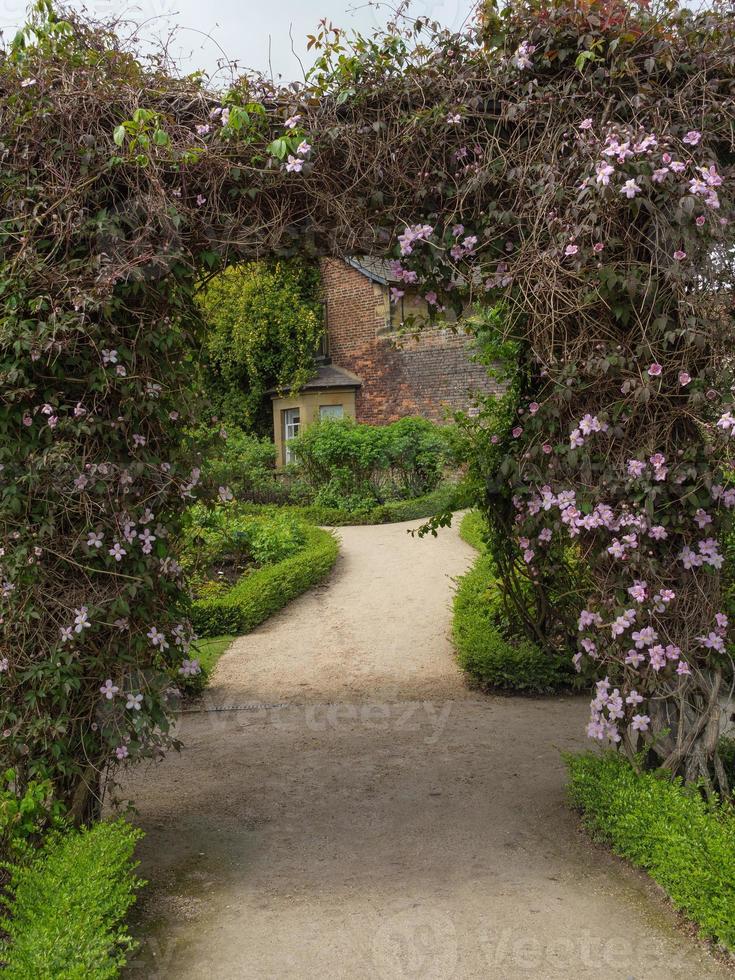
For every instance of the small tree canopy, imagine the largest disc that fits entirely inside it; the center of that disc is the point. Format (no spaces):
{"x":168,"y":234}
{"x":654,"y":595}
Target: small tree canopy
{"x":263,"y":323}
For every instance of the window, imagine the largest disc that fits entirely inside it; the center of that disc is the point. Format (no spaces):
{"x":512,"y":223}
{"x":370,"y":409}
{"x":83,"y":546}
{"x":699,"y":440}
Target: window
{"x":331,"y":411}
{"x":291,"y":422}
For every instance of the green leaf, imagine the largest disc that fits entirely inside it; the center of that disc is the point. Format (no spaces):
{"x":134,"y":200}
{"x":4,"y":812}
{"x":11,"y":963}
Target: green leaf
{"x":582,"y":58}
{"x":119,"y":135}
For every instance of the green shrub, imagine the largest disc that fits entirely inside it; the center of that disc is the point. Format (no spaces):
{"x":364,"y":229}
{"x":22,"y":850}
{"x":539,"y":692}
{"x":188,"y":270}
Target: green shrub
{"x":417,"y":452}
{"x":446,"y":497}
{"x":258,"y":595}
{"x":685,"y":844}
{"x":67,"y":906}
{"x":354,"y":467}
{"x":473,"y":530}
{"x":490,"y":659}
{"x":272,"y":540}
{"x":241,"y":461}
{"x":726,"y":750}
{"x":229,"y":538}
{"x":26,"y":813}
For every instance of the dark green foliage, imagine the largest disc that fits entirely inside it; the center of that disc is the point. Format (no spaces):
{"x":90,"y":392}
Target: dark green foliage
{"x":263,"y":326}
{"x":355,"y":467}
{"x":492,"y":645}
{"x":67,"y":906}
{"x":727,"y":756}
{"x":685,"y":844}
{"x":258,"y":595}
{"x":221,"y":543}
{"x":26,"y":813}
{"x":490,"y":658}
{"x":541,"y":607}
{"x":246,"y":463}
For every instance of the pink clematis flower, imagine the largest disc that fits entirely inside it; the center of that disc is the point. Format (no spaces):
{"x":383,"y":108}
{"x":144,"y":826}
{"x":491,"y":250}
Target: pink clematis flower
{"x":630,"y":189}
{"x":655,"y":370}
{"x":680,"y":255}
{"x":640,"y":723}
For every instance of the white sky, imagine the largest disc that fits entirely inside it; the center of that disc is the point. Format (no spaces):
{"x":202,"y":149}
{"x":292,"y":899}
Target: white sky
{"x":247,"y":30}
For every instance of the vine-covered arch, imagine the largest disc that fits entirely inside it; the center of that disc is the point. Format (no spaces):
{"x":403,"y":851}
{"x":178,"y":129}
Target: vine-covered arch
{"x":571,"y":162}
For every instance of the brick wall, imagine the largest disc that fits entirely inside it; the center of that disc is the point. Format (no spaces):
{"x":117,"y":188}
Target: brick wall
{"x":409,"y":377}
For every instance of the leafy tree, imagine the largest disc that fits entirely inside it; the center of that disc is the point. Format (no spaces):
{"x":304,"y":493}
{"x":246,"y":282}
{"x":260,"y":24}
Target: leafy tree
{"x":263,"y":324}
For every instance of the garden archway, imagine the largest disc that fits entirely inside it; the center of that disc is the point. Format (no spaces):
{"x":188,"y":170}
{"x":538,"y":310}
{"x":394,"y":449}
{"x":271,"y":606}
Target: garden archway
{"x":571,"y":163}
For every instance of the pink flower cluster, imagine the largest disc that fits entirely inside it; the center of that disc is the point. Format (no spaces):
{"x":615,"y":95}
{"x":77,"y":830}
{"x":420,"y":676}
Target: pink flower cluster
{"x":413,"y":234}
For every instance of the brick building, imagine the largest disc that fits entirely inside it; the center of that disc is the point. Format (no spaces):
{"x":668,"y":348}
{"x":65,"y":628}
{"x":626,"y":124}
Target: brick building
{"x":367,"y":369}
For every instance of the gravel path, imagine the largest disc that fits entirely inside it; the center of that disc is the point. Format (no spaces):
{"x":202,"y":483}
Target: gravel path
{"x":366,"y":816}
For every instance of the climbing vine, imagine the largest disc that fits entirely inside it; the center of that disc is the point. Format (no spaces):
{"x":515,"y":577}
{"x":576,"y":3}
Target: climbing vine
{"x":573,"y":160}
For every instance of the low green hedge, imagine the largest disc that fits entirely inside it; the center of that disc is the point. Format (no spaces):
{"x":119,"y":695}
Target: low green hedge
{"x":472,"y":530}
{"x":261,"y":593}
{"x":66,"y":906}
{"x":448,"y":496}
{"x":686,"y":845}
{"x":490,"y":659}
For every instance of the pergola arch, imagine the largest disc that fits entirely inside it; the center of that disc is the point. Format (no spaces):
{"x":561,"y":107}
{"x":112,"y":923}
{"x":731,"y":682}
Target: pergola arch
{"x":120,"y":185}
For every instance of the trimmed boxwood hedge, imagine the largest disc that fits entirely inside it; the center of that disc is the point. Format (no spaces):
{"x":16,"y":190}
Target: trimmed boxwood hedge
{"x":684,"y":843}
{"x":67,"y":906}
{"x":261,"y":593}
{"x":472,"y":530}
{"x":489,"y":658}
{"x":447,"y":496}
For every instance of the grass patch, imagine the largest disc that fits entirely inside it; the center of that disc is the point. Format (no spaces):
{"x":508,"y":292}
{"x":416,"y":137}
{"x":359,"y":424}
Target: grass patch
{"x":68,"y":904}
{"x":257,"y":595}
{"x":209,"y":650}
{"x":686,"y":845}
{"x":490,"y":659}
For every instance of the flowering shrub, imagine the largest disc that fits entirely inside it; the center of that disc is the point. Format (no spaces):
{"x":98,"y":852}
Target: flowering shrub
{"x":569,"y":160}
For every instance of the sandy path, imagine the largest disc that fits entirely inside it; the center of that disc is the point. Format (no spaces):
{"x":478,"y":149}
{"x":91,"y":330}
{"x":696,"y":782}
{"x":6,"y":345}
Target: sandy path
{"x":368,"y":817}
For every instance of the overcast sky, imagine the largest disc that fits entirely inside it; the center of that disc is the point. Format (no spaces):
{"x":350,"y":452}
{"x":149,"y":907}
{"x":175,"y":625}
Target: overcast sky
{"x":249,"y":31}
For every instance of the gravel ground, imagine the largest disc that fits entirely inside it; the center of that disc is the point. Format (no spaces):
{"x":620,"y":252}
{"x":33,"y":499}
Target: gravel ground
{"x":361,"y":814}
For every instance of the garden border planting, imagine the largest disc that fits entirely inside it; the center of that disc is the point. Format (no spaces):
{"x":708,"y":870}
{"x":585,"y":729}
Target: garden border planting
{"x":258,"y":595}
{"x":447,"y":496}
{"x":669,"y":830}
{"x":68,"y":905}
{"x":484,"y":654}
